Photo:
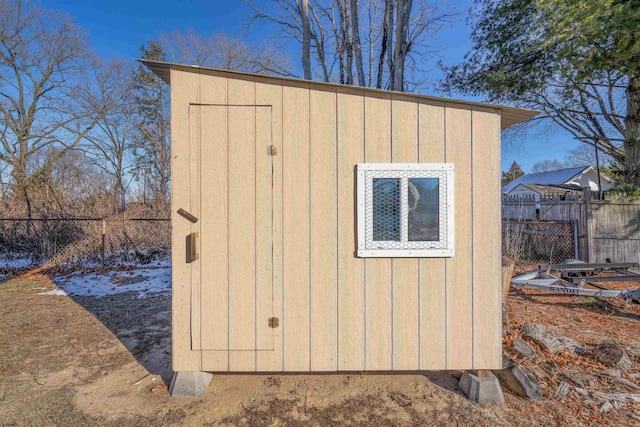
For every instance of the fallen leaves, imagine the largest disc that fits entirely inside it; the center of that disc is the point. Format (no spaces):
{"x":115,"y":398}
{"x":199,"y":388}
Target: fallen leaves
{"x":579,"y":384}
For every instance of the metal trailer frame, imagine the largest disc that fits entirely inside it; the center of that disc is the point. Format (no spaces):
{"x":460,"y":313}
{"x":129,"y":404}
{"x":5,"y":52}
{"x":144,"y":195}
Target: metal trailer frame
{"x":574,"y":275}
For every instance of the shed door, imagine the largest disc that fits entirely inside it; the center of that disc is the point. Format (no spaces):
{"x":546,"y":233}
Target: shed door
{"x":231,"y":176}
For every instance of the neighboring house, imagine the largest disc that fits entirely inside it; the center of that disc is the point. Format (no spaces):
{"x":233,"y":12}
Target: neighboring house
{"x":558,"y":182}
{"x":537,"y":192}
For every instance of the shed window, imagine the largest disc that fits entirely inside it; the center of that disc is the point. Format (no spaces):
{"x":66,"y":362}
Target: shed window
{"x":405,"y":210}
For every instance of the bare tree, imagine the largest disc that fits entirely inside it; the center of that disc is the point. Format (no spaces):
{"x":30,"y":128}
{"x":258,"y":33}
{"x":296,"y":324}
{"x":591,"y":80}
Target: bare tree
{"x":62,"y":182}
{"x":548,"y":165}
{"x":394,"y":48}
{"x":44,"y":97}
{"x":111,"y":140}
{"x":4,"y":179}
{"x":151,"y":150}
{"x":575,"y":62}
{"x":223,"y":51}
{"x":403,"y":44}
{"x":586,"y":155}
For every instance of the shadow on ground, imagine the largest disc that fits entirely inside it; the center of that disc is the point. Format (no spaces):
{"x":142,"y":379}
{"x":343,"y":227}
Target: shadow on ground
{"x":143,"y":326}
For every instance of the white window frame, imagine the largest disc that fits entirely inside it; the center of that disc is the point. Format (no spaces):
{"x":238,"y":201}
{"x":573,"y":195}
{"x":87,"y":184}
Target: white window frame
{"x":367,"y":247}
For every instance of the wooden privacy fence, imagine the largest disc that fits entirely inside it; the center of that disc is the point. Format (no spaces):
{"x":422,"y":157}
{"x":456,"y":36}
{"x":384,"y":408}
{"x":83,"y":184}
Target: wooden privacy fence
{"x":614,"y":232}
{"x":602,"y":229}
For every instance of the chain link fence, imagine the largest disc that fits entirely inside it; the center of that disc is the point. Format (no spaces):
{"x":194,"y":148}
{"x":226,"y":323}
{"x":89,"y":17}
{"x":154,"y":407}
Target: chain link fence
{"x":58,"y":242}
{"x":536,"y":242}
{"x":122,"y":241}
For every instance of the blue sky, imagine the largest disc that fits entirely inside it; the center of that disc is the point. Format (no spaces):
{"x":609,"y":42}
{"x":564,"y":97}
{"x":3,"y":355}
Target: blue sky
{"x":118,"y":28}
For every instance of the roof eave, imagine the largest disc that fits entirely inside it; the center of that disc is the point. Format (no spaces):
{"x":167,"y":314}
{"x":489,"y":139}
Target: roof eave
{"x":510,"y":116}
{"x":579,"y":174}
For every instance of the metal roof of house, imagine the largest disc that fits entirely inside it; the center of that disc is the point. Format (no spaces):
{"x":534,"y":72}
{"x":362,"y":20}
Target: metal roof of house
{"x":509,"y":115}
{"x":557,"y":177}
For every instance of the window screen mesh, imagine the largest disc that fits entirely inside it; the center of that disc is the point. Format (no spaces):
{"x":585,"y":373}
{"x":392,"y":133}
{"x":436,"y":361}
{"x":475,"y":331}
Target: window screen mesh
{"x":405,"y":209}
{"x":386,"y":209}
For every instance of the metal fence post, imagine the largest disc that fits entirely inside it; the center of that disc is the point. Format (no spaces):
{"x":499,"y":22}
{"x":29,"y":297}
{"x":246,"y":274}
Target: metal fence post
{"x":104,"y":232}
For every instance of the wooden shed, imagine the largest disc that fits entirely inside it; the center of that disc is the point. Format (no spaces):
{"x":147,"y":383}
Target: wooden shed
{"x":275,"y":269}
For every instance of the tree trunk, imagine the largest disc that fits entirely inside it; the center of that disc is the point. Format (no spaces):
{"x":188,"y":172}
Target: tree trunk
{"x":341,"y":41}
{"x":346,"y":64}
{"x":349,"y":47}
{"x":318,"y":37}
{"x":306,"y":39}
{"x":355,"y":37}
{"x":348,"y":32}
{"x":119,"y":193}
{"x":383,"y":46}
{"x":390,"y":42}
{"x":632,"y":133}
{"x":402,"y":45}
{"x":20,"y":189}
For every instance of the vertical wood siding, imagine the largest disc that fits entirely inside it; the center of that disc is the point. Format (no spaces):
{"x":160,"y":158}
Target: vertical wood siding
{"x":296,"y":227}
{"x":378,"y":288}
{"x":214,"y":328}
{"x":406,"y":335}
{"x":212,"y":145}
{"x":183,"y":92}
{"x":338,"y":312}
{"x":241,"y":172}
{"x":459,"y":284}
{"x":486,"y":244}
{"x":433,"y":324}
{"x":351,"y":322}
{"x":270,"y":94}
{"x":323,"y":190}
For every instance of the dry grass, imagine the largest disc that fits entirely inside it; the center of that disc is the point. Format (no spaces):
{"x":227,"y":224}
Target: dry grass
{"x":93,"y":361}
{"x":39,"y":340}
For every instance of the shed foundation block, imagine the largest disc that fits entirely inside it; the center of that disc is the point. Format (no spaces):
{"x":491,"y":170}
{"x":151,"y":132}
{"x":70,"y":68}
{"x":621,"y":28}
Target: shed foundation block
{"x":189,"y":384}
{"x":485,"y":389}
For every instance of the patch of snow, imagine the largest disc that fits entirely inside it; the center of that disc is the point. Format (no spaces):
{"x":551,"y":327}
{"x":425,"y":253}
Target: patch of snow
{"x":54,"y":292}
{"x":129,"y":258}
{"x":16,"y":261}
{"x":145,"y":281}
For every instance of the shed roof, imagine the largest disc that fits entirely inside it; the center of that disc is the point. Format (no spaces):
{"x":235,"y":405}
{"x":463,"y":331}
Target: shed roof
{"x":509,"y":115}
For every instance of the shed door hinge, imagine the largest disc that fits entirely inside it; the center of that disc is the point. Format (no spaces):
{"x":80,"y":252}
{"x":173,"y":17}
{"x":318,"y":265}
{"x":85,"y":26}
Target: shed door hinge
{"x":274,"y":322}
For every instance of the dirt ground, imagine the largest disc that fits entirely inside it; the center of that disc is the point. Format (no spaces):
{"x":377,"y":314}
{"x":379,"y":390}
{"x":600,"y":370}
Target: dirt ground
{"x":68,"y":361}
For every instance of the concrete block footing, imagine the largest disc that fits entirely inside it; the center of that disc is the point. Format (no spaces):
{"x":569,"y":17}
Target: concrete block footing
{"x":481,"y":389}
{"x":189,"y":384}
